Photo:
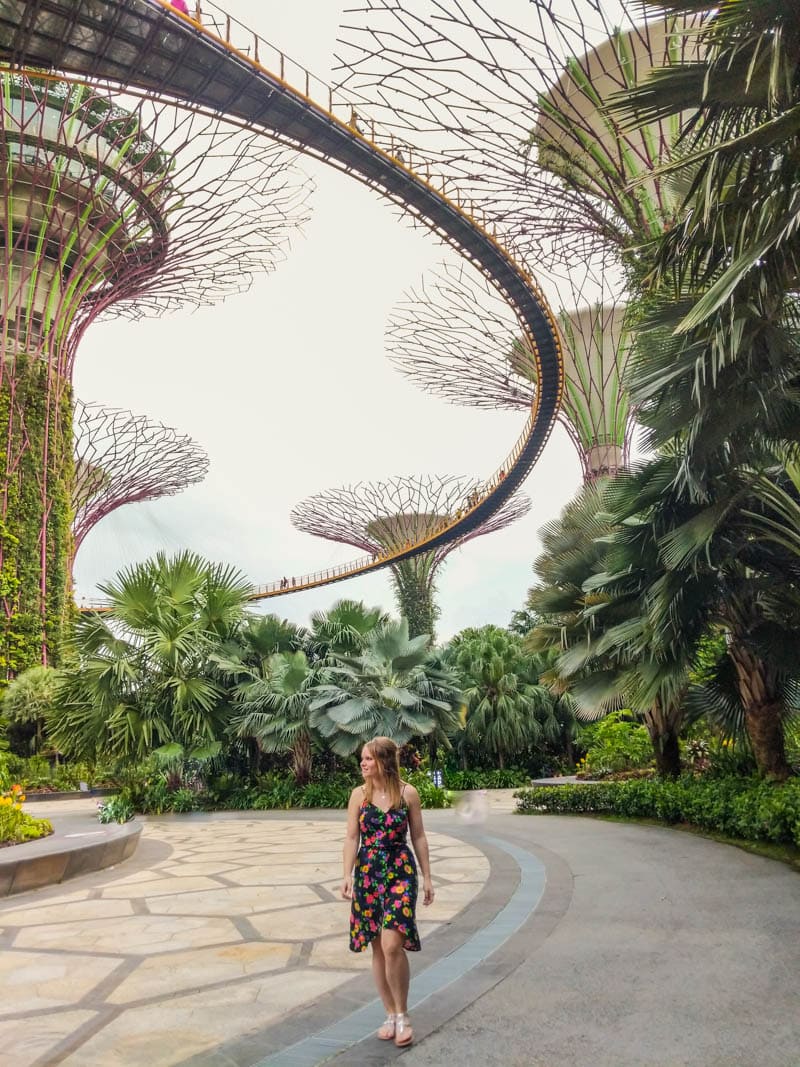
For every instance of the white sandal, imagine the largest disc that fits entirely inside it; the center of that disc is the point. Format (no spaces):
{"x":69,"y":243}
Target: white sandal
{"x":386,"y":1030}
{"x":403,"y":1034}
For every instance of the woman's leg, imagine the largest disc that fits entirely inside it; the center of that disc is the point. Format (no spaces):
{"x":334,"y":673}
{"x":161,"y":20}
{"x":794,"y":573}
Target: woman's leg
{"x":379,"y":975}
{"x":397,"y":972}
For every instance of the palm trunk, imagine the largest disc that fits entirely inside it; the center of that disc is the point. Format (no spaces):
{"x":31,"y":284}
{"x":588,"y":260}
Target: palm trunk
{"x":663,"y":726}
{"x":302,"y":759}
{"x":668,"y":754}
{"x":758,"y":690}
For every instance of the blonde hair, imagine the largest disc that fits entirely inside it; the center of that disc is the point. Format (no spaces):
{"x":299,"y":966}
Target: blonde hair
{"x":387,"y":755}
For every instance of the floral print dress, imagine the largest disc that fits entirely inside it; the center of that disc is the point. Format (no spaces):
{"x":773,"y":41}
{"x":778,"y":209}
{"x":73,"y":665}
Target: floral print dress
{"x":385,"y":883}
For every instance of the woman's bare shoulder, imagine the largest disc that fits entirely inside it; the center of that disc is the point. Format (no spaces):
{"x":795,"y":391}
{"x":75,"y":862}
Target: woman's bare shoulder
{"x":358,"y":791}
{"x":408,"y":790}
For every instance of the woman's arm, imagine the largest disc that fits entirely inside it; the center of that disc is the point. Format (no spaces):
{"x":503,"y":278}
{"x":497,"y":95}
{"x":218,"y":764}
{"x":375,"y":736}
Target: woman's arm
{"x":351,"y":837}
{"x":419,"y":841}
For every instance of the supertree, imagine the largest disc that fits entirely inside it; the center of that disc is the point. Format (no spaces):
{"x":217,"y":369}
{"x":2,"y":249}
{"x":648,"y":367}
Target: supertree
{"x":385,"y":517}
{"x":518,"y":119}
{"x":455,"y":338}
{"x":110,"y":206}
{"x":122,"y":458}
{"x":516,"y":116}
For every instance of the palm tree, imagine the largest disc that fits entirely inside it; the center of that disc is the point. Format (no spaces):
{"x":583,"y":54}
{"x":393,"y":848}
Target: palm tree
{"x":274,"y":710}
{"x":393,"y":688}
{"x":29,"y":699}
{"x":739,"y":153}
{"x":343,"y":629}
{"x":597,"y":576}
{"x":145,"y":674}
{"x":508,"y":711}
{"x":715,"y":576}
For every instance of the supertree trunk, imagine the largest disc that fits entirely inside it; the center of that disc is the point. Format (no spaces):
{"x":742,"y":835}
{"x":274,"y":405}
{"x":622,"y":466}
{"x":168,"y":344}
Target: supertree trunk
{"x":35,"y":470}
{"x":414,"y":590}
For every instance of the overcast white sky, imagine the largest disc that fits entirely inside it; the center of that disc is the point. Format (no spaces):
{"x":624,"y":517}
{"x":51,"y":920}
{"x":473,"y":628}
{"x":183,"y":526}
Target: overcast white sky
{"x":289,"y":390}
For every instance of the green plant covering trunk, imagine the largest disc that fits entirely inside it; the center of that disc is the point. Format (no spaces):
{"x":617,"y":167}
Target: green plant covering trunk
{"x":36,"y":468}
{"x":414,"y":591}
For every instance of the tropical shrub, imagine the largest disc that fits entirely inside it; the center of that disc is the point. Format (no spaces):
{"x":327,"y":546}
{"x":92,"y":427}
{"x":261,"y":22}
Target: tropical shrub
{"x":615,"y":743}
{"x":16,"y":825}
{"x":509,"y":712}
{"x":145,"y":673}
{"x":116,"y":809}
{"x":37,"y":773}
{"x":430,"y":795}
{"x":747,"y":808}
{"x":395,"y":687}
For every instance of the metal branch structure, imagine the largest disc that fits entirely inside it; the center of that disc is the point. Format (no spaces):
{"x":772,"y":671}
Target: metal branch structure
{"x":208,"y":63}
{"x":454,"y":338}
{"x":515,"y":117}
{"x":518,"y":119}
{"x":385,"y":518}
{"x":110,"y":206}
{"x":122,"y":458}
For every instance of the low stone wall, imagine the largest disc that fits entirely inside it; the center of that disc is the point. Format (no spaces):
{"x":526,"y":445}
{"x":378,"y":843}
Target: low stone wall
{"x":57,"y":858}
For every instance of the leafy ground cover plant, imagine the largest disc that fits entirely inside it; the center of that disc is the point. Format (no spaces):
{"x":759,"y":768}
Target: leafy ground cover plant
{"x":115,"y":809}
{"x":16,"y":826}
{"x":747,"y":808}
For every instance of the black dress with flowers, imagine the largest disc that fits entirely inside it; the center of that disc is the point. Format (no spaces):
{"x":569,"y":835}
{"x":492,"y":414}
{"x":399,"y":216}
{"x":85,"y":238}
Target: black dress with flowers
{"x":385,"y":883}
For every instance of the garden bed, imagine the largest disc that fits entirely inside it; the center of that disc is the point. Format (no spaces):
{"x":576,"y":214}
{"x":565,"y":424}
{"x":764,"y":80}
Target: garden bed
{"x":75,"y":794}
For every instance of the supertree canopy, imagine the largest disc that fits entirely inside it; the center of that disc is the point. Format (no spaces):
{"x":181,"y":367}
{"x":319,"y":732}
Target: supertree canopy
{"x":110,"y":206}
{"x":455,"y":338}
{"x":516,"y":116}
{"x":387,"y":516}
{"x":519,"y":120}
{"x":122,"y":458}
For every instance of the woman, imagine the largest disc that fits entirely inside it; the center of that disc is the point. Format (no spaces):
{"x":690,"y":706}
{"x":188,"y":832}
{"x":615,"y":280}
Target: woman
{"x":383,"y":888}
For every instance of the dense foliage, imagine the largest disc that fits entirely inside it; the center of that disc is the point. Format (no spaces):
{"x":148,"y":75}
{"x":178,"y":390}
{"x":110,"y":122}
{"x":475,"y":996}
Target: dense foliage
{"x":509,"y":712}
{"x":736,"y":807}
{"x":144,"y":674}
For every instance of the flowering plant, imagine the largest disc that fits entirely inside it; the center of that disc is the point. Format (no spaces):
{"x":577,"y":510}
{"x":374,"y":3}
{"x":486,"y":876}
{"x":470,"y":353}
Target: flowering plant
{"x":16,"y":825}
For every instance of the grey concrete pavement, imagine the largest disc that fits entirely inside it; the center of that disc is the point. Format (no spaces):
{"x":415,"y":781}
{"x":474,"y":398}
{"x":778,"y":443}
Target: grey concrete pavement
{"x":221,"y":944}
{"x":674,"y":951}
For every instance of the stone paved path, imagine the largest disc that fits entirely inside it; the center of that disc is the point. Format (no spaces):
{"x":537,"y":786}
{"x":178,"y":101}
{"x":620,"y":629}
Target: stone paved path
{"x":217,"y":924}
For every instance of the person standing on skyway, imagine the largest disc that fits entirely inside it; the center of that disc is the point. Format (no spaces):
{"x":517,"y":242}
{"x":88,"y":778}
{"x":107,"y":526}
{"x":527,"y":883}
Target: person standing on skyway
{"x":180,"y":5}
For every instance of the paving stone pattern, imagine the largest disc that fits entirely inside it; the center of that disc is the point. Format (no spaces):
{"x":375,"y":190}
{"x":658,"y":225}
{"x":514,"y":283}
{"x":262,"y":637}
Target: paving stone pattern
{"x":237,"y":924}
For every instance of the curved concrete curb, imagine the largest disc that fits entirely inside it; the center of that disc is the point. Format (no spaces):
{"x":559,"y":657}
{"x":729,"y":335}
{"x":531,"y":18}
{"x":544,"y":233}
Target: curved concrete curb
{"x":65,"y":855}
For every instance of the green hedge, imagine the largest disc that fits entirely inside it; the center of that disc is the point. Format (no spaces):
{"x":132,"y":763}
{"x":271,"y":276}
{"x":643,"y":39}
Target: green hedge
{"x":736,"y":807}
{"x":227,"y":793}
{"x":510,"y":779}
